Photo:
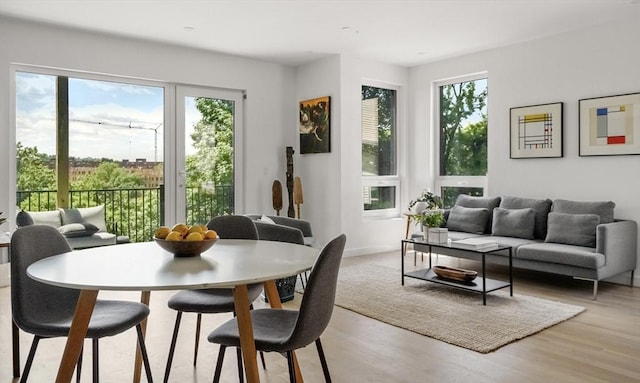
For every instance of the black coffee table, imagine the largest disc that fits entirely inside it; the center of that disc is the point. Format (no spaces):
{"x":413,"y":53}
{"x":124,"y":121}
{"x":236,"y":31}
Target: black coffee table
{"x":486,"y":286}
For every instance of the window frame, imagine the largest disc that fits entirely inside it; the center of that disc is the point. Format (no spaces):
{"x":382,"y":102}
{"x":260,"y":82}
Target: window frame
{"x":387,"y":180}
{"x":441,"y":181}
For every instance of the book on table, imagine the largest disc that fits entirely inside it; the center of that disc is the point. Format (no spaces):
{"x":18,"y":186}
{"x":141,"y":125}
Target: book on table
{"x":475,"y":243}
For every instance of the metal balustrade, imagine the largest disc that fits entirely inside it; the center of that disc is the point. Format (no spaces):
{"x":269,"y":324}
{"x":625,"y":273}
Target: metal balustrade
{"x":136,"y":213}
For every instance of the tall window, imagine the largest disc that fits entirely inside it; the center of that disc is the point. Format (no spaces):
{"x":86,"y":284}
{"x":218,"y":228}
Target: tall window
{"x":380,"y":182}
{"x":462,"y":136}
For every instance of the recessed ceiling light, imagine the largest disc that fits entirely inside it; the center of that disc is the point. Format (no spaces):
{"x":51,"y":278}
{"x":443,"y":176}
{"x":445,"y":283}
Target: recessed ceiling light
{"x":189,"y":28}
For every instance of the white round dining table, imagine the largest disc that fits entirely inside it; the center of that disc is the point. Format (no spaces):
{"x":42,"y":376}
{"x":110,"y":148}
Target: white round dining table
{"x":229,"y":263}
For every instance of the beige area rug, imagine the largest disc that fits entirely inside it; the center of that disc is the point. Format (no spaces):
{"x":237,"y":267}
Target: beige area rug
{"x":445,"y":313}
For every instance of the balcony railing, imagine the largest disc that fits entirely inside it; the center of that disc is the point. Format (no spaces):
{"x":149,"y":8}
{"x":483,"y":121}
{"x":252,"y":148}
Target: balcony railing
{"x":135,"y":213}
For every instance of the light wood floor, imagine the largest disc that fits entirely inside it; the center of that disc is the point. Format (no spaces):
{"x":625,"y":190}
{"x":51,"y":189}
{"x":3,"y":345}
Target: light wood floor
{"x":600,"y":345}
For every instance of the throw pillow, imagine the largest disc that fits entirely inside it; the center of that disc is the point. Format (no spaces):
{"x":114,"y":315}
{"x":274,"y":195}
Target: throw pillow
{"x":74,"y":230}
{"x":23,"y":219}
{"x":468,"y":219}
{"x":488,"y":203}
{"x":541,"y":207}
{"x":93,"y":215}
{"x":604,"y":209}
{"x":573,"y":229}
{"x":518,"y":223}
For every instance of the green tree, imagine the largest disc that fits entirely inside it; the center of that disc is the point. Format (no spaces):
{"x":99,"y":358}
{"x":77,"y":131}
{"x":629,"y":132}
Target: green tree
{"x":463,"y":144}
{"x":108,"y":175}
{"x":213,"y":140}
{"x":33,"y":172}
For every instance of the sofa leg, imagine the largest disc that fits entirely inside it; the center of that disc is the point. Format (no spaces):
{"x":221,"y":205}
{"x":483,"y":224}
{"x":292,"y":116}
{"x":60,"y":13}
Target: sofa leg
{"x":631,"y":281}
{"x":595,"y":290}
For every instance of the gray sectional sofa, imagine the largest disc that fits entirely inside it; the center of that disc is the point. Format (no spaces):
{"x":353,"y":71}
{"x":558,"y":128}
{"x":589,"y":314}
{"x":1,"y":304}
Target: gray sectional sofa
{"x":581,"y":239}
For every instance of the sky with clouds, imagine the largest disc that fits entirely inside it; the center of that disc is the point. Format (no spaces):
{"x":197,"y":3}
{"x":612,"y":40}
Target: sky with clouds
{"x":107,"y":119}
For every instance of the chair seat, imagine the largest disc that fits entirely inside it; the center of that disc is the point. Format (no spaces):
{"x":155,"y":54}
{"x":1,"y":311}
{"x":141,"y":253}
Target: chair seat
{"x":271,"y":329}
{"x":108,"y":318}
{"x":209,"y":301}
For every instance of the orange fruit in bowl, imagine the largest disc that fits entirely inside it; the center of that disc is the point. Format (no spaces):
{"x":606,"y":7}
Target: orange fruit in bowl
{"x":180,"y":228}
{"x":195,"y":229}
{"x":210,"y":234}
{"x":191,"y":237}
{"x":162,"y":232}
{"x":174,"y":236}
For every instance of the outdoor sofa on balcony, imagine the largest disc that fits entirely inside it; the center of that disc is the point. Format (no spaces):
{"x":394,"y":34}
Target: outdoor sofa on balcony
{"x":82,"y":227}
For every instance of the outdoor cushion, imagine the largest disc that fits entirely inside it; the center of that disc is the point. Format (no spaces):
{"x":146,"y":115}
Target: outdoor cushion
{"x":51,"y":218}
{"x":24,"y":219}
{"x":603,"y":209}
{"x":573,"y":229}
{"x":541,"y":207}
{"x":73,"y":230}
{"x":93,"y":215}
{"x":519,"y":223}
{"x":468,"y":219}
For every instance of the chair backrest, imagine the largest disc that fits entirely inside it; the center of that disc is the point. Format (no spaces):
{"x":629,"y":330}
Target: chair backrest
{"x":33,"y":302}
{"x":319,"y":296}
{"x":233,"y":227}
{"x":278,"y":233}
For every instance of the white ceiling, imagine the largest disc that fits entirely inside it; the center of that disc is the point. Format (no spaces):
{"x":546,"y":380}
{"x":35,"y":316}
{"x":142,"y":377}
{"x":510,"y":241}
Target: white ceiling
{"x":297,"y":31}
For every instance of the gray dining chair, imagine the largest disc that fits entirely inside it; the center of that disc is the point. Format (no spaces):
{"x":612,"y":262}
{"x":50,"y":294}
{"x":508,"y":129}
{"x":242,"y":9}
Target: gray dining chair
{"x":284,"y":331}
{"x":46,"y":311}
{"x":213,"y":301}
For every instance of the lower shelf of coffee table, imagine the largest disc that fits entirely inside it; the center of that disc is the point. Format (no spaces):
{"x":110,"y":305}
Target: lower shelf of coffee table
{"x":475,"y":285}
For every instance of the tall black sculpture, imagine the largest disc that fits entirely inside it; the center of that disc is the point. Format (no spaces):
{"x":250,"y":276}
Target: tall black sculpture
{"x":290,"y":211}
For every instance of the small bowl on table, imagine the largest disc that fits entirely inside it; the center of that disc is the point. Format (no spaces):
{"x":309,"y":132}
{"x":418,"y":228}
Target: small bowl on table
{"x":185,"y":248}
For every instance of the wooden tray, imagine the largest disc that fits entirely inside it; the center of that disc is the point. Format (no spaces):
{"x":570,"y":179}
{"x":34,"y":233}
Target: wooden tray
{"x":456,"y":274}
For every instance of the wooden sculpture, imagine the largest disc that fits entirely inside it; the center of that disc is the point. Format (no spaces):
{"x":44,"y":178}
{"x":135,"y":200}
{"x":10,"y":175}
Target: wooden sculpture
{"x":290,"y":211}
{"x":276,"y":196}
{"x":297,"y":194}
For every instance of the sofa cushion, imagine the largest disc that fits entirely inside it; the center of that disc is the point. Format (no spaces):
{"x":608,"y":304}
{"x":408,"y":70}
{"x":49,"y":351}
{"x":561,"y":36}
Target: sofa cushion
{"x":468,"y":219}
{"x":488,"y":203}
{"x":519,"y":223}
{"x":573,"y":229}
{"x":94,"y":240}
{"x":51,"y":218}
{"x":561,"y":254}
{"x":24,"y":219}
{"x":93,"y":215}
{"x":73,"y":230}
{"x":603,"y":209}
{"x":541,"y":207}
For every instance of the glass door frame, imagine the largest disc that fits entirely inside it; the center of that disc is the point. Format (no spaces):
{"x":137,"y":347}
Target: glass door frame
{"x":175,"y":188}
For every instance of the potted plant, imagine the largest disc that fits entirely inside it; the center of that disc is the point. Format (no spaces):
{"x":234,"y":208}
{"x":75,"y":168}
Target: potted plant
{"x":426,"y":200}
{"x":2,"y":219}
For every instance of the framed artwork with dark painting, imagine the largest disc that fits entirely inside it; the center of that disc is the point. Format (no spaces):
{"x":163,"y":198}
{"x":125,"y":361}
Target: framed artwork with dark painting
{"x":315,"y":125}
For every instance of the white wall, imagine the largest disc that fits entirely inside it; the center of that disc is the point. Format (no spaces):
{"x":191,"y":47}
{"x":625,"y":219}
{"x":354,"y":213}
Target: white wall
{"x":597,"y":62}
{"x":332,"y":181}
{"x":269,"y":88}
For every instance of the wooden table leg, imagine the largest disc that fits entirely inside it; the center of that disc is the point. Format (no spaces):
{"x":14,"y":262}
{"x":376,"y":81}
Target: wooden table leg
{"x":271,"y":291}
{"x":245,"y":329}
{"x":77,"y":333}
{"x":145,"y":297}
